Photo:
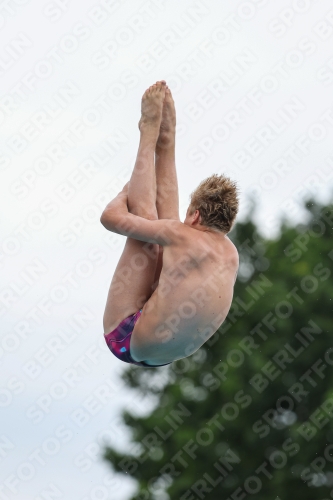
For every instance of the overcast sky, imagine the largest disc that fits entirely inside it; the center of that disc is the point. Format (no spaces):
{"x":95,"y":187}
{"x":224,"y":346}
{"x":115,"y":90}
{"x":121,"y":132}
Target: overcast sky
{"x":252,"y":82}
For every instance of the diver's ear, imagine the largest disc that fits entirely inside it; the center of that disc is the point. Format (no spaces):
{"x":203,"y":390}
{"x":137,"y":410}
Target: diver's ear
{"x":196,"y":217}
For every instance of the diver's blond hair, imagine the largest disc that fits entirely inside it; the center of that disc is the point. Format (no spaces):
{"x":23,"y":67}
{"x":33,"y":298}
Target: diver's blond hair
{"x":216,"y":198}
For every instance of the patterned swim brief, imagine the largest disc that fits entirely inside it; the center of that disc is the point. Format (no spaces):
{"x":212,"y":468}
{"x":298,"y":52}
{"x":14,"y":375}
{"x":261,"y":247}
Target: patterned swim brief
{"x":118,"y":341}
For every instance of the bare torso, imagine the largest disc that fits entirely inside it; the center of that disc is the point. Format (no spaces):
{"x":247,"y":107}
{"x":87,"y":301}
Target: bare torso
{"x":192,"y":299}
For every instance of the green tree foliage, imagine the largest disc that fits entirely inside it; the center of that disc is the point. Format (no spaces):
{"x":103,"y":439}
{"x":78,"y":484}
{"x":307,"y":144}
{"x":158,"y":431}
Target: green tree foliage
{"x":251,"y":413}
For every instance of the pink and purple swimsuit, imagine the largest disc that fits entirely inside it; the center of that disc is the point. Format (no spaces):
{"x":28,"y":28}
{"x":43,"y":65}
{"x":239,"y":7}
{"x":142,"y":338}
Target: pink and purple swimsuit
{"x":118,"y":341}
